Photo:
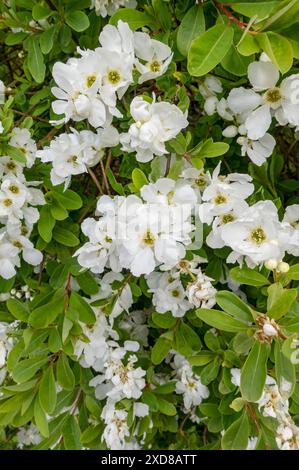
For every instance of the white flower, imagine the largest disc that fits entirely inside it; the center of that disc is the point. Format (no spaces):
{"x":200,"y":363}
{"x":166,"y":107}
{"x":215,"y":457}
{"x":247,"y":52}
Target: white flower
{"x":8,"y":258}
{"x":201,"y":293}
{"x":155,"y":124}
{"x":258,"y":109}
{"x":108,"y":7}
{"x":224,"y":194}
{"x":257,"y":150}
{"x":290,"y":224}
{"x":189,"y":384}
{"x":153,"y":57}
{"x":72,"y":154}
{"x":169,"y":293}
{"x":235,"y":376}
{"x":27,"y":436}
{"x":21,"y":139}
{"x":255,"y":236}
{"x":116,"y":429}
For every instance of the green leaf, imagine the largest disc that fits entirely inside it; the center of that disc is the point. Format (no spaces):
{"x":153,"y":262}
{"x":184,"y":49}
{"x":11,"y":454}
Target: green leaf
{"x":139,"y":179}
{"x":39,"y":12}
{"x":64,"y":373}
{"x":65,"y":237}
{"x":278,"y":48}
{"x":113,"y":183}
{"x":236,"y":436}
{"x":162,"y":14}
{"x":202,"y":358}
{"x":87,"y":283}
{"x":160,"y":350}
{"x":249,"y":277}
{"x":14,"y":153}
{"x":235,"y":63}
{"x":46,"y":39}
{"x":71,"y":434}
{"x":166,"y":407}
{"x":284,"y":370}
{"x":91,"y":433}
{"x":164,"y":320}
{"x":15,"y":38}
{"x":17,"y":309}
{"x":68,"y":199}
{"x":280,"y":301}
{"x":85,"y":312}
{"x":47,"y":391}
{"x":186,"y":341}
{"x":35,"y":60}
{"x":208,"y":49}
{"x":233,"y":305}
{"x":46,"y":223}
{"x":27,"y":368}
{"x":250,"y":9}
{"x":42,"y":316}
{"x":221,"y":320}
{"x":40,"y":419}
{"x":135,"y":19}
{"x":77,"y":20}
{"x":254,"y":372}
{"x":293,"y":272}
{"x":192,"y":25}
{"x":209,"y":149}
{"x":150,"y":399}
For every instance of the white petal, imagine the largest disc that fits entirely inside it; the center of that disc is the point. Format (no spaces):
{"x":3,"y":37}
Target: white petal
{"x":263,"y":75}
{"x":258,"y":122}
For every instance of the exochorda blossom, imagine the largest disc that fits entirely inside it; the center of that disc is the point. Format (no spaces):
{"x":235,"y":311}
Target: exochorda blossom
{"x":138,"y":235}
{"x":188,"y":384}
{"x":88,"y":87}
{"x":108,"y":7}
{"x":73,"y":153}
{"x":155,"y":124}
{"x":200,"y":292}
{"x":168,"y":292}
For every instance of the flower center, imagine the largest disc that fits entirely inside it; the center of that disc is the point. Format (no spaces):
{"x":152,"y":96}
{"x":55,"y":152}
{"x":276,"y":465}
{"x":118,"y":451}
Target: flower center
{"x":14,"y":189}
{"x":73,"y":159}
{"x":24,"y":230}
{"x":11,"y":166}
{"x":7,"y":202}
{"x":149,"y":238}
{"x":155,"y":66}
{"x":90,"y":80}
{"x":200,"y":181}
{"x":220,"y":199}
{"x":17,"y":244}
{"x":226,"y":218}
{"x":273,"y":95}
{"x":114,"y":77}
{"x":175,"y":293}
{"x":258,"y":236}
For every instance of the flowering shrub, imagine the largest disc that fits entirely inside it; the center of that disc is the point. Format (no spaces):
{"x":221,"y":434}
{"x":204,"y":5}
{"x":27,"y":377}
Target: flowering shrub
{"x":149,"y":213}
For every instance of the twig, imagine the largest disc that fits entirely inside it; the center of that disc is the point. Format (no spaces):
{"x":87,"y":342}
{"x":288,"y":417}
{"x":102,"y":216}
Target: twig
{"x":95,"y":180}
{"x":233,"y":18}
{"x":67,"y":287}
{"x":104,"y":177}
{"x":37,"y":118}
{"x":168,"y":161}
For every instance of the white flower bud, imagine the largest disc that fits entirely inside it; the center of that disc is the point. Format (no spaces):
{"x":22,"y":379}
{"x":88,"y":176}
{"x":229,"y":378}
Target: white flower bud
{"x":230,"y":131}
{"x":269,"y":330}
{"x":283,"y":267}
{"x":271,"y":264}
{"x":210,"y":105}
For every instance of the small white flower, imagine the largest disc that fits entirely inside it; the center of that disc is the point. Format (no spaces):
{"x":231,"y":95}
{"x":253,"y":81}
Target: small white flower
{"x":201,"y":293}
{"x":153,"y":57}
{"x":155,"y":124}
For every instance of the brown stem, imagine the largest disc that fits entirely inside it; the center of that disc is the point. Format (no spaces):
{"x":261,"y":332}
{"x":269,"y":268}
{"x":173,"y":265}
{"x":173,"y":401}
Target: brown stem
{"x":67,"y":288}
{"x":105,"y":177}
{"x":233,"y":18}
{"x":95,"y":180}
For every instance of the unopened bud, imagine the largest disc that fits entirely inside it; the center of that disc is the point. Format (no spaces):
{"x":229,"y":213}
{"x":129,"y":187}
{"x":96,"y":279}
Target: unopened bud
{"x":283,"y":267}
{"x":271,"y":264}
{"x":230,"y":131}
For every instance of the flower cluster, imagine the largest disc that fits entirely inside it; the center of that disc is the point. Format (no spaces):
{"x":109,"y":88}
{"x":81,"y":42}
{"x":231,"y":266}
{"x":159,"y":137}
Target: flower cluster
{"x":274,"y":404}
{"x":254,"y":233}
{"x":18,"y":196}
{"x":140,"y":233}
